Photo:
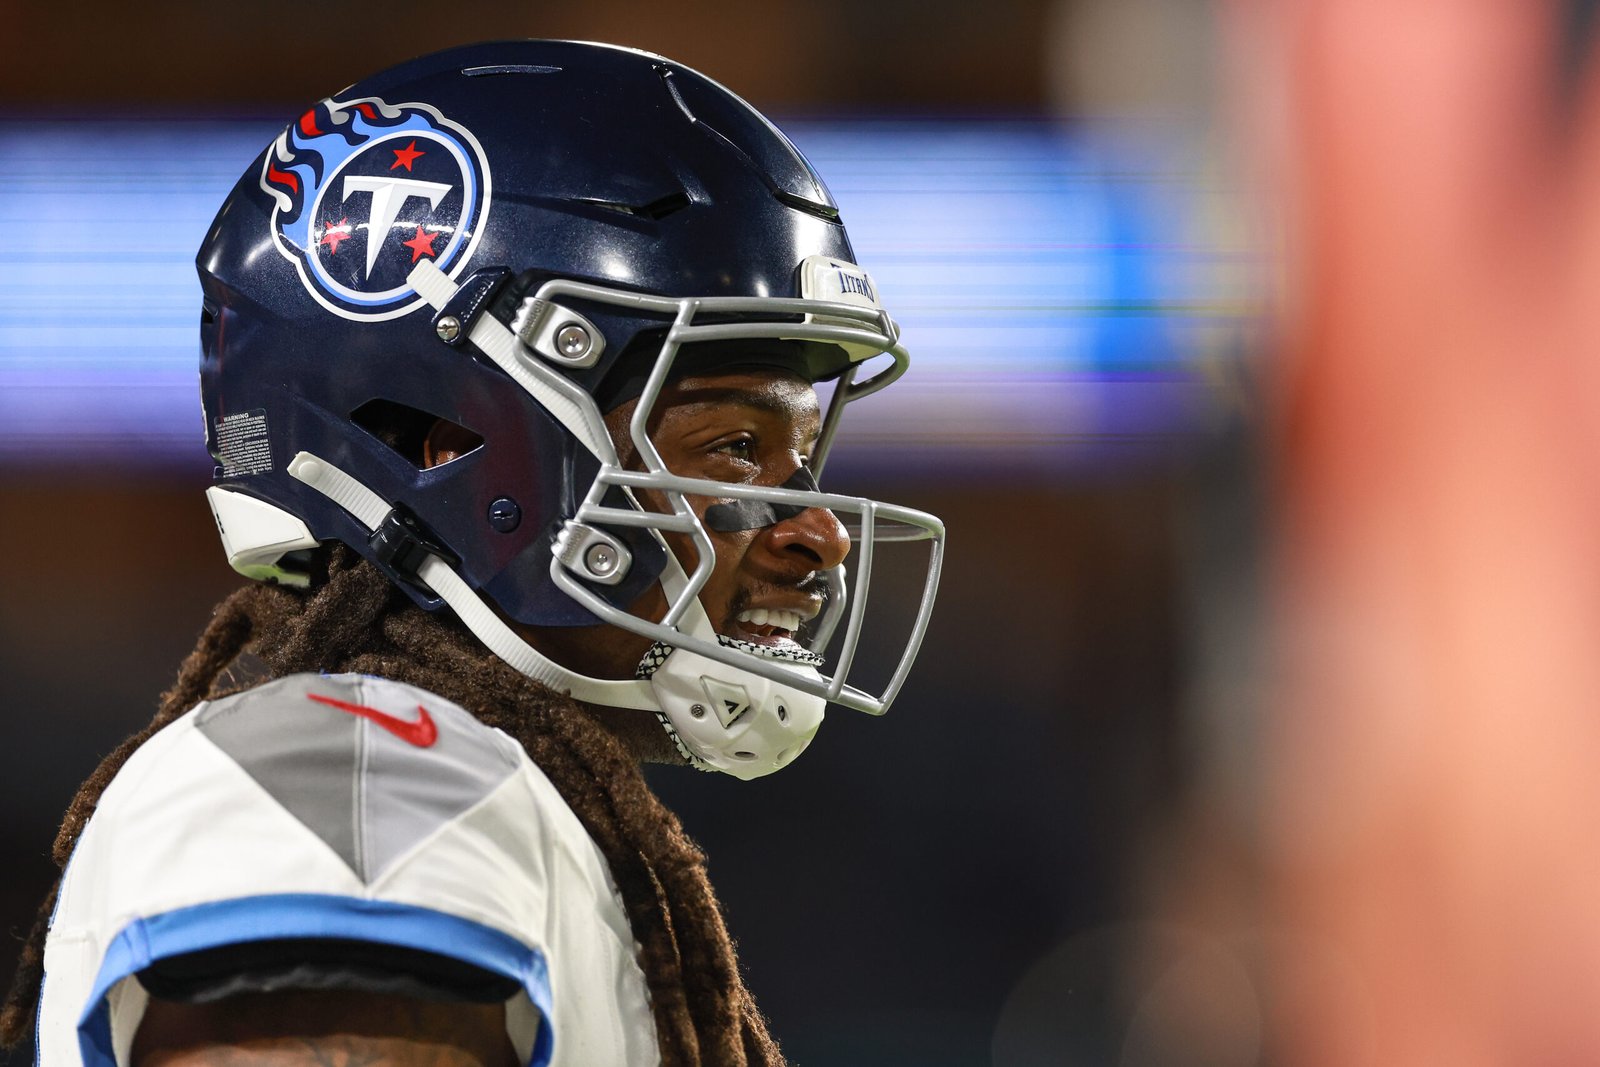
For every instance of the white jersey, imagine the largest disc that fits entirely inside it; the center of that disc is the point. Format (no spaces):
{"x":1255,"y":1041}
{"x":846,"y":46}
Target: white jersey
{"x":349,"y":807}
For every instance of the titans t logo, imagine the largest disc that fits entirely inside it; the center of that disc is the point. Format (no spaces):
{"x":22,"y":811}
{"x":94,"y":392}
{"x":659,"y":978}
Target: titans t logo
{"x":364,"y":190}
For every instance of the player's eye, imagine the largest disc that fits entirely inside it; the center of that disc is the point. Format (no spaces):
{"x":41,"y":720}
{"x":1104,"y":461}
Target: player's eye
{"x":742,"y":448}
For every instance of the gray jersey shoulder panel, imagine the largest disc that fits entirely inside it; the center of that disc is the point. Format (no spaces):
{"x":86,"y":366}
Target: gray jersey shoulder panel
{"x":410,"y":790}
{"x":374,"y":772}
{"x":303,"y":753}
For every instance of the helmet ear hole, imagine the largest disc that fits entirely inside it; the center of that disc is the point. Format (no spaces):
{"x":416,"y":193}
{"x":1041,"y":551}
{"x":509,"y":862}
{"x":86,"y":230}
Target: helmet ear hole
{"x":447,"y":441}
{"x":421,"y":438}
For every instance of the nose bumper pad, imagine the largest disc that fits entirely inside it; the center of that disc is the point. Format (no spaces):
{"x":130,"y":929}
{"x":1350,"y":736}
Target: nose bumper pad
{"x":737,"y":515}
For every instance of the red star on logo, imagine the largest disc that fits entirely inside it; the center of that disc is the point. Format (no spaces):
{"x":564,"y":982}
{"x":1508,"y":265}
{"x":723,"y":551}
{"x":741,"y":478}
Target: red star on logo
{"x":333,"y":233}
{"x":421,"y":244}
{"x":404,"y":157}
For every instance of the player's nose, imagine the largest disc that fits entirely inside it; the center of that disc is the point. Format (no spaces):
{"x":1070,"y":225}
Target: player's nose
{"x":815,"y":538}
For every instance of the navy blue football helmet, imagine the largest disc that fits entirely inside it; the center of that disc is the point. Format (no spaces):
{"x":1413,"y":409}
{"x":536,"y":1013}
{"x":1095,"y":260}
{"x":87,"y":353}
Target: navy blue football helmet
{"x":515,"y":238}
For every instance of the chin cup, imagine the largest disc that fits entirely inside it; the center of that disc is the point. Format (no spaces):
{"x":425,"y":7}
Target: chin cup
{"x":734,"y":721}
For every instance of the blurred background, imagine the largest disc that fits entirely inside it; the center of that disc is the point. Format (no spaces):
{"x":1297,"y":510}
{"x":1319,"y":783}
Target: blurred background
{"x":1254,"y":376}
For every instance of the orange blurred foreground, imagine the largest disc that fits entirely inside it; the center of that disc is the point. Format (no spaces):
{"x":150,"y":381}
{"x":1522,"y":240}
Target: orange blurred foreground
{"x":1433,"y":824}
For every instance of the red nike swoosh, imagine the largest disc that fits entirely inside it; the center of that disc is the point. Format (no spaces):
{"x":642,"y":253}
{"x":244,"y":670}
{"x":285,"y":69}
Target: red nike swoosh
{"x":422,"y":733}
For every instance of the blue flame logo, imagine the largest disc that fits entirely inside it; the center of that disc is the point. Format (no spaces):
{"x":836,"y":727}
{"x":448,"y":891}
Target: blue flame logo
{"x":364,"y":190}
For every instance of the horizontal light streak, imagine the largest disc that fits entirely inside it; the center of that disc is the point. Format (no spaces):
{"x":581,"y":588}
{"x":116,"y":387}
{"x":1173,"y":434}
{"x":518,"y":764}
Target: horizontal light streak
{"x":1054,"y":302}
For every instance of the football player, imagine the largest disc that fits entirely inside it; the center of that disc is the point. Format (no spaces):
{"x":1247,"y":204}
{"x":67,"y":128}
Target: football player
{"x":508,"y":368}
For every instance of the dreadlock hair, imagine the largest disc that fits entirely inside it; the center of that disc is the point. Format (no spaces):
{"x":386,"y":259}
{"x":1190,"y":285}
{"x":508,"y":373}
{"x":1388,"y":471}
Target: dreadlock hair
{"x":358,"y":621}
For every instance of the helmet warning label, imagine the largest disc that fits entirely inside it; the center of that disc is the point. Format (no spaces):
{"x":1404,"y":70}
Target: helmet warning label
{"x":242,"y":446}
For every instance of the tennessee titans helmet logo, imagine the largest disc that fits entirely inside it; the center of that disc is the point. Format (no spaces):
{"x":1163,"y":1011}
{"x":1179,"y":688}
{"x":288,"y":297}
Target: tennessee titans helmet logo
{"x":364,"y":191}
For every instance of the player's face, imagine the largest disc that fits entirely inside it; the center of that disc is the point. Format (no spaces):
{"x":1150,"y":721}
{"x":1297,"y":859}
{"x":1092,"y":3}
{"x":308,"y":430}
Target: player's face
{"x":754,"y":427}
{"x":759,"y":428}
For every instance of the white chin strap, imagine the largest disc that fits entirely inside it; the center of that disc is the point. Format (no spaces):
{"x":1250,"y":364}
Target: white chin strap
{"x":719,"y":717}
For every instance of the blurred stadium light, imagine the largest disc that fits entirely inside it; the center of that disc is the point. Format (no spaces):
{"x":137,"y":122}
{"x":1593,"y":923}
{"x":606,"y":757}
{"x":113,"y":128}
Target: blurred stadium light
{"x":1059,"y":288}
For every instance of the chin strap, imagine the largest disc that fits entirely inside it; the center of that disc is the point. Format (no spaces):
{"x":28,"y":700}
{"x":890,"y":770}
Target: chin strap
{"x":369,"y":509}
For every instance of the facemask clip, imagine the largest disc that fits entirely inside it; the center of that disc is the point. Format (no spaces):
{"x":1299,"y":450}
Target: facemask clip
{"x":593,"y":554}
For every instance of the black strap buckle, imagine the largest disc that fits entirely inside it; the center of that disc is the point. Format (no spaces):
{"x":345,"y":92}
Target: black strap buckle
{"x":401,"y":544}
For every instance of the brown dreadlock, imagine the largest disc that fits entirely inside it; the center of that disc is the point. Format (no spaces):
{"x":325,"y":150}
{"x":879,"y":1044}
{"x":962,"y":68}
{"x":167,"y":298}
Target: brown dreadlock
{"x":358,"y":621}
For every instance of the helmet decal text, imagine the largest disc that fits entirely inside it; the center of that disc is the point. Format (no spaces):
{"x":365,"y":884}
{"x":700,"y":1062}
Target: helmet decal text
{"x":363,"y":190}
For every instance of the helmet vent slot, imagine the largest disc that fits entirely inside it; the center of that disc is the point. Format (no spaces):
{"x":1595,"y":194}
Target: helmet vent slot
{"x":508,"y":68}
{"x":666,"y":205}
{"x":421,"y":438}
{"x":810,"y":207}
{"x":656,"y":209}
{"x":672,"y":90}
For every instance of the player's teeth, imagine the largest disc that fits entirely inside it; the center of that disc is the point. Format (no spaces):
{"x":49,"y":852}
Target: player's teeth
{"x":783,"y":620}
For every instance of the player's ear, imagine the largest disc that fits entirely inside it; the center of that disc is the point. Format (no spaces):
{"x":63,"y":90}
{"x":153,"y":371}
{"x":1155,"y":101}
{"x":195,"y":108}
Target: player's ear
{"x":446,"y":441}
